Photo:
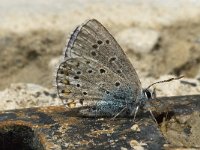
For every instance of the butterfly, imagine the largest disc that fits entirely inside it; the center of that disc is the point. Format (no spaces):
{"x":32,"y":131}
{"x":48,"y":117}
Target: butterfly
{"x":96,"y":73}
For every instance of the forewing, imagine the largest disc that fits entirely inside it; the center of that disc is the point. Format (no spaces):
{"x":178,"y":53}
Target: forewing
{"x":92,"y":41}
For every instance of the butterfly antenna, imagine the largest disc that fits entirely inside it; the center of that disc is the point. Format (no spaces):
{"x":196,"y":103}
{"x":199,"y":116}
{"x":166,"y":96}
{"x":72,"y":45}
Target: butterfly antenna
{"x":135,"y":113}
{"x":153,"y":117}
{"x":168,"y":80}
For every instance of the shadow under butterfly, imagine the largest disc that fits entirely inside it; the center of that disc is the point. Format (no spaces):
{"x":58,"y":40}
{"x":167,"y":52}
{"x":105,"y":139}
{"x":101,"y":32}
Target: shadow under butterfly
{"x":96,"y":75}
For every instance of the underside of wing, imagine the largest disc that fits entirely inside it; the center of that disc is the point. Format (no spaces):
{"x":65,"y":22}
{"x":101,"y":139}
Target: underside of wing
{"x":92,"y":41}
{"x":95,"y":68}
{"x":88,"y":82}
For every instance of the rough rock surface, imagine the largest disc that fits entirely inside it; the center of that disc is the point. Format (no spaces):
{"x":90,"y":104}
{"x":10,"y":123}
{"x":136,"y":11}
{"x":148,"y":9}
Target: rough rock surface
{"x":33,"y":34}
{"x":28,"y":41}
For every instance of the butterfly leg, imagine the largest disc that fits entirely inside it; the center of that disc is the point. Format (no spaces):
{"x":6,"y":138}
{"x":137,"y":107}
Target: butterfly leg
{"x":121,"y":111}
{"x":153,"y":117}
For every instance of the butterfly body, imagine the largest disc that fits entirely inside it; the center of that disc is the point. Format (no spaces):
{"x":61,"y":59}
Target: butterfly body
{"x":95,"y":72}
{"x":119,"y":100}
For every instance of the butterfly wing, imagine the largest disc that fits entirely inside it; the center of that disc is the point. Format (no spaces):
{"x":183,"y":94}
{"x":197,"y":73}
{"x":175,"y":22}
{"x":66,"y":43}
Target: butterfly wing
{"x":94,"y":65}
{"x":93,"y":41}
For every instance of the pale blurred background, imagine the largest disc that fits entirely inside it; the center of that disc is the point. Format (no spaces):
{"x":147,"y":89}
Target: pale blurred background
{"x":160,"y":37}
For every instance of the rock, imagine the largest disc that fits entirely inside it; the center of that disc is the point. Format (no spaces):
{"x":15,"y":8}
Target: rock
{"x":139,"y":40}
{"x":27,"y":95}
{"x":179,"y":119}
{"x":57,"y":128}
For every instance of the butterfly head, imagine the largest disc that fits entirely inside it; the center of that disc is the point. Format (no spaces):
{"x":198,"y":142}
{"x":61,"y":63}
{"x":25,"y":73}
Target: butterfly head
{"x":149,"y":94}
{"x":146,"y":95}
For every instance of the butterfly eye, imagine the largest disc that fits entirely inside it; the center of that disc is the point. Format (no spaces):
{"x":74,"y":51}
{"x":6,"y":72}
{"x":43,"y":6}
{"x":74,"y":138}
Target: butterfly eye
{"x":148,"y":94}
